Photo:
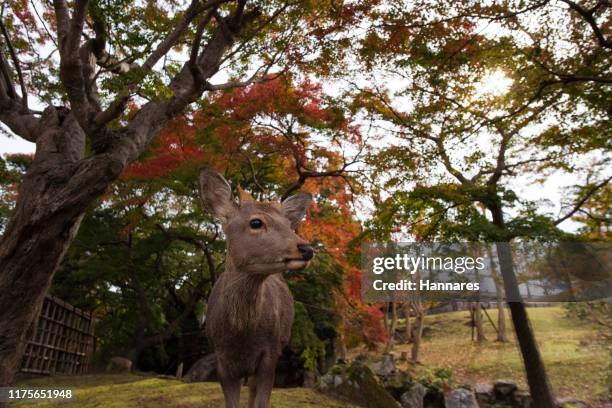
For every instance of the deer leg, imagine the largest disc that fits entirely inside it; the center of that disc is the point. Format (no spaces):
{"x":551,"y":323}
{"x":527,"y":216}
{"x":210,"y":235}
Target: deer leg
{"x":252,"y":391}
{"x":231,"y":391}
{"x":264,"y":381}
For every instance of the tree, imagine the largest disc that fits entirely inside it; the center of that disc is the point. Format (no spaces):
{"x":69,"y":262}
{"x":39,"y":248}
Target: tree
{"x":145,"y":259}
{"x":105,"y":60}
{"x":437,"y":173}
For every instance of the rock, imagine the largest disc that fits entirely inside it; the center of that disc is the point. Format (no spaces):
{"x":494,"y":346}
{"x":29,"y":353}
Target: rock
{"x":460,"y":398}
{"x":119,"y":365}
{"x":484,"y":394}
{"x":205,"y":369}
{"x":361,"y":357}
{"x":504,"y":390}
{"x":310,"y":379}
{"x":569,"y":402}
{"x":522,"y":399}
{"x":386,"y":366}
{"x":358,"y":384}
{"x":397,"y":383}
{"x":413,"y":398}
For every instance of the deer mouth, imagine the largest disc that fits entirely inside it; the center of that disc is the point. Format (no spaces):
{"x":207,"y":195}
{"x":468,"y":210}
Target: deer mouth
{"x":295,"y":264}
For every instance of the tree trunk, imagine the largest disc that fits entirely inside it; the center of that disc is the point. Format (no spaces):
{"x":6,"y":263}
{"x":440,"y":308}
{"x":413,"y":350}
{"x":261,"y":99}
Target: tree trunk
{"x":62,"y":183}
{"x":53,"y":196}
{"x":499,"y":291}
{"x":418,"y":330}
{"x":537,"y":378}
{"x":502,"y":335}
{"x":392,"y":328}
{"x":386,"y":317}
{"x":480,"y":336}
{"x":407,"y":329}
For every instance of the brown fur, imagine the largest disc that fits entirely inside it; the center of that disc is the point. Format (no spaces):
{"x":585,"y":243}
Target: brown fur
{"x":250,"y":309}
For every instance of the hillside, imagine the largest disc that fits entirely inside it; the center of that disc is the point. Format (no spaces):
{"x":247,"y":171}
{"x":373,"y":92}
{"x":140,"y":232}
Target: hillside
{"x":575,"y":355}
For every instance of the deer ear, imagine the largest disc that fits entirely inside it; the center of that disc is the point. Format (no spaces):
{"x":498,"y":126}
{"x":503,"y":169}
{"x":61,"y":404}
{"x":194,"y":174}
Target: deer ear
{"x":294,"y":208}
{"x":216,"y":194}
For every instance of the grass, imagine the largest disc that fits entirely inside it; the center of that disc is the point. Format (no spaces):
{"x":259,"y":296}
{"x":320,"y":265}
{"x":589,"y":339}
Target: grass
{"x":574,"y":355}
{"x":125,"y":391}
{"x":575,"y":358}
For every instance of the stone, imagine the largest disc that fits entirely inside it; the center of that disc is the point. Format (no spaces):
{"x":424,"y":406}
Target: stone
{"x":205,"y":369}
{"x":310,"y":379}
{"x":504,"y":390}
{"x":569,"y":402}
{"x":119,"y":365}
{"x":386,"y":366}
{"x":484,"y":394}
{"x":397,"y":383}
{"x":460,"y":398}
{"x":522,"y":399}
{"x":357,"y":384}
{"x":413,"y":398}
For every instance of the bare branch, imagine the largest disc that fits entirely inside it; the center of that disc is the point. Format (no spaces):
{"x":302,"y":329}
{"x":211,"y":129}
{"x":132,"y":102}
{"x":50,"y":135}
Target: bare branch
{"x":23,"y":124}
{"x":42,"y":22}
{"x":191,"y":13}
{"x":17,"y":64}
{"x":63,"y":20}
{"x":582,"y":200}
{"x":71,"y":67}
{"x":193,"y":10}
{"x":7,"y":88}
{"x":588,"y":16}
{"x":255,"y":78}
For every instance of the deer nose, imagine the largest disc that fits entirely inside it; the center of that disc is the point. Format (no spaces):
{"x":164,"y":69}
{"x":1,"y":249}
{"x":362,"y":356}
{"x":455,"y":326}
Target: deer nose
{"x":306,"y":251}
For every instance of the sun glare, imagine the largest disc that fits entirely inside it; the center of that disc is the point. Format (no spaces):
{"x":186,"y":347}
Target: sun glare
{"x":493,"y":84}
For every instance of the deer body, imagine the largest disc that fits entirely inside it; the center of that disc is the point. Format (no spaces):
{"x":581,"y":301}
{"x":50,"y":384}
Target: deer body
{"x":250,"y":309}
{"x":254,"y":322}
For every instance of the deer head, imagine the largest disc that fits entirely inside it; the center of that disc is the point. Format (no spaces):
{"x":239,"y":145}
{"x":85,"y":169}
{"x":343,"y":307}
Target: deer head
{"x":261,"y":236}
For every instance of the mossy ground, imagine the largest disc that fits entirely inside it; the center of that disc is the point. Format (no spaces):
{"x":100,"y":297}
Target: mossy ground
{"x":575,"y":356}
{"x":126,"y":391}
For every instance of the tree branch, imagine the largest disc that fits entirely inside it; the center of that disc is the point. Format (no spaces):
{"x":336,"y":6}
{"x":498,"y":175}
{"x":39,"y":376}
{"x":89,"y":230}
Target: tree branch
{"x":16,"y":63}
{"x":193,"y":10}
{"x":582,"y":200}
{"x":588,"y":16}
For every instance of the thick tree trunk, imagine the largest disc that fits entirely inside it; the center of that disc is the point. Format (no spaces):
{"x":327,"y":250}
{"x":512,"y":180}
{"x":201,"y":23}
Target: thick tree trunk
{"x":537,"y":378}
{"x":62,"y":183}
{"x":54,"y":195}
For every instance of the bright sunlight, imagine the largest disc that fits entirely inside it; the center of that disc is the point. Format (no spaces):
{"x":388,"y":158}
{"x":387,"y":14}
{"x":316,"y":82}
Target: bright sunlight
{"x":494,"y":83}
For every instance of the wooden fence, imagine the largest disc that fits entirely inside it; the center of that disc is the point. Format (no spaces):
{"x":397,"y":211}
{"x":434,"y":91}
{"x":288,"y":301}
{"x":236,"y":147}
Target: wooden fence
{"x":63,"y":342}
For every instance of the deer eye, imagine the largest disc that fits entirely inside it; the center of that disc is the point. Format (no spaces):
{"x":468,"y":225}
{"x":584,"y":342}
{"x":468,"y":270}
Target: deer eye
{"x":256,"y":223}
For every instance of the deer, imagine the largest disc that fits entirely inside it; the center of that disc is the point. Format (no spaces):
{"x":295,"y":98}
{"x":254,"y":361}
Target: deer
{"x":250,"y":308}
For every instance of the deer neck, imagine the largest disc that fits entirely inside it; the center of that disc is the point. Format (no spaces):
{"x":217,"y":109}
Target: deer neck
{"x":242,"y":293}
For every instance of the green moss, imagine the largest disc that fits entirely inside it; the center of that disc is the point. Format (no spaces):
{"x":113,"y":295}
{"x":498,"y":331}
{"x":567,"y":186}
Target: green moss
{"x":126,"y":391}
{"x":357,"y":383}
